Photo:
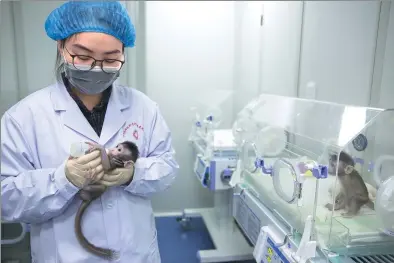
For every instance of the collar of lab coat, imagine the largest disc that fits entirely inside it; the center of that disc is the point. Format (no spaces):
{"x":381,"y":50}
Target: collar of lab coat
{"x":73,"y":118}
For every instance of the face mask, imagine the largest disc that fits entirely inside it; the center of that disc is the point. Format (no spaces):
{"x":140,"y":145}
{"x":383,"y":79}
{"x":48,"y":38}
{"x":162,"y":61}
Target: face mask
{"x":90,"y":82}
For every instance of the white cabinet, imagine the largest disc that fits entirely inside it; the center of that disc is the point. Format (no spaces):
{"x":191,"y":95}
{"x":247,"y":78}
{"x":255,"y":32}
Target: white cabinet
{"x":8,"y":73}
{"x":280,"y":47}
{"x":329,"y":43}
{"x":266,"y":56}
{"x":338,"y":48}
{"x":387,"y":78}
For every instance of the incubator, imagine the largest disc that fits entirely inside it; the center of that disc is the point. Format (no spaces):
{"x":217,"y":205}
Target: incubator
{"x":213,"y":147}
{"x":216,"y":157}
{"x":215,"y":153}
{"x":281,"y":194}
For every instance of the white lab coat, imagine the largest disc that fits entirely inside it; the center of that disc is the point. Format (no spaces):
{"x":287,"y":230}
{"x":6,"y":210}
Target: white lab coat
{"x":36,"y":135}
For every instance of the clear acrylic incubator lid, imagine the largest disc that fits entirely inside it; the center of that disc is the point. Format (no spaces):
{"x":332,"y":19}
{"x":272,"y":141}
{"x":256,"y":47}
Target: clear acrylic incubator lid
{"x":211,"y":133}
{"x":285,"y":146}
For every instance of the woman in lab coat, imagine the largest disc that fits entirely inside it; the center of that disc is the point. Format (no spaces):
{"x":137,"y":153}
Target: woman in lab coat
{"x":39,"y":182}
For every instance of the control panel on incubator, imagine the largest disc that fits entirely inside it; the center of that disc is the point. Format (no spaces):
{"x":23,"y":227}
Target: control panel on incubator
{"x":216,"y":169}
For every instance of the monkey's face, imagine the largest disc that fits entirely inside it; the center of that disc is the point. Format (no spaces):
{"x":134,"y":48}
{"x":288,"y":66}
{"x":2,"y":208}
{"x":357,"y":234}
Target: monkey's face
{"x":118,"y":150}
{"x":332,"y":166}
{"x":343,"y":168}
{"x":121,"y":152}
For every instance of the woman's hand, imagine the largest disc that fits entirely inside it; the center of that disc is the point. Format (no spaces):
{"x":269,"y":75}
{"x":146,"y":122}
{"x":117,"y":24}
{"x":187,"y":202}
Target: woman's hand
{"x":84,"y":170}
{"x":117,"y":177}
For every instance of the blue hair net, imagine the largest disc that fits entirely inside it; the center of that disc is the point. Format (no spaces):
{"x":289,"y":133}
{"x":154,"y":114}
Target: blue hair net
{"x":109,"y":17}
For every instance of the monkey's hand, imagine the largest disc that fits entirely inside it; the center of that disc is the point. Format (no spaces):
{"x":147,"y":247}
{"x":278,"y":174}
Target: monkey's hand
{"x":94,"y":147}
{"x":329,"y":207}
{"x":117,"y":177}
{"x":348,"y":214}
{"x":85,"y":169}
{"x":104,"y":156}
{"x":337,"y":206}
{"x":117,"y":162}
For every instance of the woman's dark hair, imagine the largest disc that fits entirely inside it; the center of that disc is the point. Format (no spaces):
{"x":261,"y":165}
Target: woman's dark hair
{"x":59,"y":59}
{"x":59,"y":62}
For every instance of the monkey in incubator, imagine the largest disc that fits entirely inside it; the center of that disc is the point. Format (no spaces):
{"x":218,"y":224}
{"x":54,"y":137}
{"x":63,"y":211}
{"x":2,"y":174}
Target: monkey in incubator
{"x":353,"y":193}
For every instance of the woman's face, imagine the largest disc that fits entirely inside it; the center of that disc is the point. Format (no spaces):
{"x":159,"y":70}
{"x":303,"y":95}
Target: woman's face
{"x":99,"y":46}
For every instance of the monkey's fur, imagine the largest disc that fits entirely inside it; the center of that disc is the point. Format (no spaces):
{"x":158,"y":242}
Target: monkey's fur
{"x":119,"y":157}
{"x":354,"y":193}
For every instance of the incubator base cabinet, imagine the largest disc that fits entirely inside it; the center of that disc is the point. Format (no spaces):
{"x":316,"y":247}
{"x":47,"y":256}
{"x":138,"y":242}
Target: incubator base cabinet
{"x":317,"y":181}
{"x":251,"y":215}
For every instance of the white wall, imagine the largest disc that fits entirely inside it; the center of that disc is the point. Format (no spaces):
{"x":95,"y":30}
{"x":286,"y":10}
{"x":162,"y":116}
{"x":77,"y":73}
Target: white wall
{"x":385,"y":97}
{"x":280,"y":47}
{"x":267,"y":54}
{"x":8,"y":73}
{"x":330,"y":43}
{"x":338,"y":49}
{"x":247,"y":52}
{"x":38,"y":52}
{"x":190,"y":50}
{"x":387,"y":83}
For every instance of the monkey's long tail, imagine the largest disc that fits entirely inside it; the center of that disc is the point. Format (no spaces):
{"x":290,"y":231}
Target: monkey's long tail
{"x":98,"y":251}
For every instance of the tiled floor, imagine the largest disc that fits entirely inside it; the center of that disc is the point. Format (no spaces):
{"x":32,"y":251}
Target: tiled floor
{"x":179,"y":246}
{"x":176,"y":245}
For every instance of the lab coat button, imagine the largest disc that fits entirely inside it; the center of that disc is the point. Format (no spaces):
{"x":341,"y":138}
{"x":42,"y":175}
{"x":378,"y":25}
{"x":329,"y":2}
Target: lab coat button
{"x":109,"y":206}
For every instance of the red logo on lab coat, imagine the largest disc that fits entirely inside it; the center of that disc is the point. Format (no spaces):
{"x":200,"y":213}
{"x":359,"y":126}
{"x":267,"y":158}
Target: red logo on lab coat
{"x":133,"y":124}
{"x":135,"y":134}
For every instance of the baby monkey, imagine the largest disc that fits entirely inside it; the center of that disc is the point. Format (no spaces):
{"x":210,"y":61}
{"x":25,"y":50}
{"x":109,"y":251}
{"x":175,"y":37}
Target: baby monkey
{"x":353,"y":193}
{"x":123,"y":155}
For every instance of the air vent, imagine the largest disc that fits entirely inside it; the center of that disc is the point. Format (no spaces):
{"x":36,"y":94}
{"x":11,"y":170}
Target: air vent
{"x":374,"y":259}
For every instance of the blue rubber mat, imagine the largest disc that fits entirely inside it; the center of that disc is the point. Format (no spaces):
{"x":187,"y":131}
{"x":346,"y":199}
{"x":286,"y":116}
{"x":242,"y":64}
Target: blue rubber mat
{"x":180,"y":246}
